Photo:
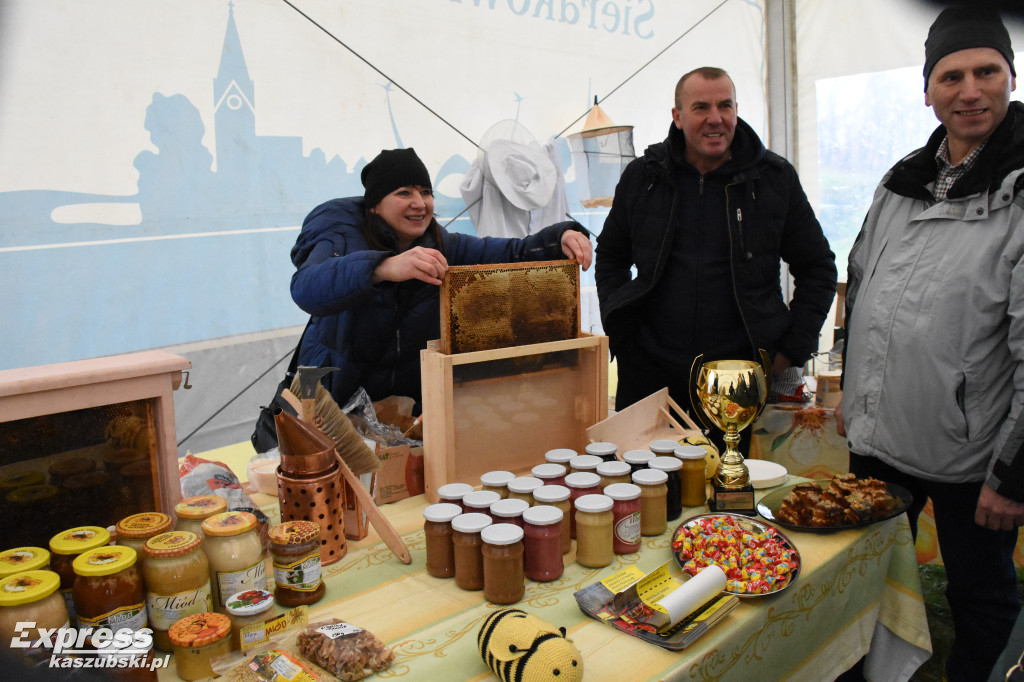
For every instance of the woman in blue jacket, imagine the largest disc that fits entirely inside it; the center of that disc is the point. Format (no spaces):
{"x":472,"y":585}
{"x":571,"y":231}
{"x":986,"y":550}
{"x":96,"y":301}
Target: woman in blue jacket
{"x":369,"y":269}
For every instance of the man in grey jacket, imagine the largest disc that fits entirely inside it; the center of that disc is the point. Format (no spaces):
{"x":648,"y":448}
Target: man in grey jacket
{"x":934,"y":372}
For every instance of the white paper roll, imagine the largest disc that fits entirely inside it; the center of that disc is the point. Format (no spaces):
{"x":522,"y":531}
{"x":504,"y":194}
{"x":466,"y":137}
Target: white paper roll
{"x":694,"y":593}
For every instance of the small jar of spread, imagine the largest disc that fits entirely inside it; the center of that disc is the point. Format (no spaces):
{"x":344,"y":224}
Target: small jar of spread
{"x":30,"y":597}
{"x":453,"y":493}
{"x":594,"y":531}
{"x":693,"y":484}
{"x":192,"y":511}
{"x":177,"y":578}
{"x":65,"y":548}
{"x":603,"y":449}
{"x":637,"y":459}
{"x":673,"y":499}
{"x":295,"y":552}
{"x":437,"y":535}
{"x":579,"y":484}
{"x":480,"y":501}
{"x":550,"y":474}
{"x":584,"y":463}
{"x":235,"y":553}
{"x":198,"y":639}
{"x":560,"y":456}
{"x":522,"y":488}
{"x":496,"y":481}
{"x":469,"y":563}
{"x":664,"y":447}
{"x":502,"y":552}
{"x":625,"y":517}
{"x":134,"y":530}
{"x":542,"y":543}
{"x":21,"y":559}
{"x":558,"y":496}
{"x":246,"y":608}
{"x":510,"y":510}
{"x":613,"y":472}
{"x":653,"y":489}
{"x":108,"y":589}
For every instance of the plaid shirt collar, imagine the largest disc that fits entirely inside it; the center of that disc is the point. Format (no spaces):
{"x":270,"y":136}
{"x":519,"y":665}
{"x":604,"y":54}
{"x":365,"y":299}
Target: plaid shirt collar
{"x":949,"y":174}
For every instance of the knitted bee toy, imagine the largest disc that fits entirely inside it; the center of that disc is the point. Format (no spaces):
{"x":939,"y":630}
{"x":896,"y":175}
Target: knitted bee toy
{"x":519,"y":647}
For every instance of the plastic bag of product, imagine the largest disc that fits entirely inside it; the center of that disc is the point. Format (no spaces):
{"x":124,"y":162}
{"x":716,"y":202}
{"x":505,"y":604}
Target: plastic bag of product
{"x":360,"y":409}
{"x":202,"y":477}
{"x":344,"y":650}
{"x":270,"y":665}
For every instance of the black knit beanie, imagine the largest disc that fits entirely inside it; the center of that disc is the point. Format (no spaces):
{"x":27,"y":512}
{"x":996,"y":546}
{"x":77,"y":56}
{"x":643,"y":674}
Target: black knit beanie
{"x":961,"y":28}
{"x":391,"y":169}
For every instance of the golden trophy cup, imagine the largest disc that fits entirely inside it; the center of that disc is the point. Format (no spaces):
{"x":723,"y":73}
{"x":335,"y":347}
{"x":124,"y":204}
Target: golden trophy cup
{"x":729,"y":395}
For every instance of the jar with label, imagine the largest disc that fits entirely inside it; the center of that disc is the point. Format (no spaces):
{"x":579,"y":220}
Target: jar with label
{"x":560,"y":456}
{"x":295,"y":551}
{"x":542,"y":543}
{"x":522,"y":488}
{"x":198,"y":639}
{"x":177,"y":579}
{"x":31,"y":597}
{"x":625,"y":517}
{"x":637,"y":459}
{"x":664,"y":447}
{"x":480,"y":501}
{"x":653,"y":489}
{"x":502,"y":552}
{"x":594,"y":531}
{"x":613,"y":472}
{"x":558,"y":496}
{"x":192,"y":511}
{"x":550,"y":474}
{"x":496,"y":481}
{"x":469,"y":562}
{"x":108,"y":589}
{"x":603,"y":449}
{"x":579,"y":484}
{"x":65,"y":548}
{"x":453,"y":493}
{"x":510,"y":510}
{"x":584,"y":463}
{"x":235,"y":553}
{"x":246,"y":608}
{"x":21,"y":559}
{"x":134,"y":530}
{"x":437,"y":535}
{"x":673,"y":500}
{"x":693,"y":484}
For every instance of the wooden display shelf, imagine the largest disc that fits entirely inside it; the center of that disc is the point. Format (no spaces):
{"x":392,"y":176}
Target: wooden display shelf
{"x":656,"y":417}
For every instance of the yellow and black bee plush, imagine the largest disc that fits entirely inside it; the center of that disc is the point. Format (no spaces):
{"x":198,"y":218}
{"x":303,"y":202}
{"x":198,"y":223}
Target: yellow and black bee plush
{"x":520,"y":647}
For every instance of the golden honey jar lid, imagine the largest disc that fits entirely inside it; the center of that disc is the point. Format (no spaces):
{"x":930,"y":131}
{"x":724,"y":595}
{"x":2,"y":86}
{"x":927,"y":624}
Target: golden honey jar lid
{"x":30,"y":494}
{"x":200,"y":507}
{"x":104,"y":561}
{"x":294,"y":532}
{"x":27,"y":586}
{"x":171,"y":544}
{"x":199,"y":629}
{"x":13,"y":481}
{"x":229,"y":523}
{"x":144,"y":525}
{"x":78,"y":540}
{"x":22,"y":559}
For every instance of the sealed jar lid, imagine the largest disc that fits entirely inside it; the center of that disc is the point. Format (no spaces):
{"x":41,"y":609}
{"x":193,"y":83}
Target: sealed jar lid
{"x":72,"y":466}
{"x":594,"y":503}
{"x":613,"y":468}
{"x":171,"y":544}
{"x":582,"y":479}
{"x":560,"y":455}
{"x":27,"y":586}
{"x":664,"y":446}
{"x":229,"y":523}
{"x":22,"y":559}
{"x":200,"y":507}
{"x":12,"y":481}
{"x":480,"y":499}
{"x":454,"y":491}
{"x":509,"y":508}
{"x":496,"y":478}
{"x":78,"y":540}
{"x":551,"y":493}
{"x":548,"y":470}
{"x":690,"y":452}
{"x":199,"y":629}
{"x":85,"y":484}
{"x":622,"y":491}
{"x":650,"y":477}
{"x":542,"y":515}
{"x":602,"y":449}
{"x":587,"y":462}
{"x":471,"y":523}
{"x":249,"y":602}
{"x":295,"y":532}
{"x":524,"y":484}
{"x":31,"y":494}
{"x":144,"y":525}
{"x":501,"y":534}
{"x":665,"y":464}
{"x":104,"y":560}
{"x":637,"y":456}
{"x":442,"y":512}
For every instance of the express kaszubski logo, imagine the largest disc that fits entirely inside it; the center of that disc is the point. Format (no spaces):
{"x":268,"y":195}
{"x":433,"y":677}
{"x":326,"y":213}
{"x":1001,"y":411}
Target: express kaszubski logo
{"x":88,"y":647}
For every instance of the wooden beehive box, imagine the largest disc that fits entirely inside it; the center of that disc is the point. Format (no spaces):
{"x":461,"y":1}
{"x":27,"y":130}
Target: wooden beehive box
{"x":656,"y":417}
{"x":504,"y":408}
{"x":509,"y":304}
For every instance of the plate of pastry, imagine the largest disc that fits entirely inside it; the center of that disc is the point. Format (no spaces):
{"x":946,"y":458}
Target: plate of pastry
{"x":837,"y":503}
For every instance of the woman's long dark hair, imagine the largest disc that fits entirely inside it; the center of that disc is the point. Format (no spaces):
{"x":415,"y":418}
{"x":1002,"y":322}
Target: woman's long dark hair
{"x":380,"y":237}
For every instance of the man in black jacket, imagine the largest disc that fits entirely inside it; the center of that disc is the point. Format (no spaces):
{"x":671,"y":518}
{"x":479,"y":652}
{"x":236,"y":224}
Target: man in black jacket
{"x":705,"y":217}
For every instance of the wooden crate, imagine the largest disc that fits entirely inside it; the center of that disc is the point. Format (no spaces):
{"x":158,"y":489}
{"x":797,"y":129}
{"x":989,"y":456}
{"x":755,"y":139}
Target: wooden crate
{"x":504,"y":408}
{"x":655,"y":417}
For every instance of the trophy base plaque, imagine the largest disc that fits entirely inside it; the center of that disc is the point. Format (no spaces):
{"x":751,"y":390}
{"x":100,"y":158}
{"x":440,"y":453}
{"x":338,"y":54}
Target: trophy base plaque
{"x":733,"y":500}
